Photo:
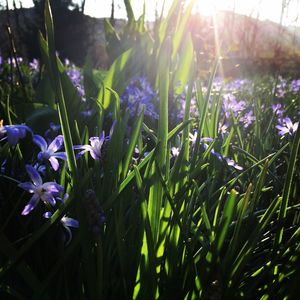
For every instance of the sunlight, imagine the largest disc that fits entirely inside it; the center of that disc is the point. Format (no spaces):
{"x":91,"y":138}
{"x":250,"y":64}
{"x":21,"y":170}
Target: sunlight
{"x":263,"y":9}
{"x":207,"y":8}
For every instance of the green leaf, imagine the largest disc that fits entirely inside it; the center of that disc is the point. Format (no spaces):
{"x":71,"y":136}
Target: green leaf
{"x":132,"y":143}
{"x":112,"y":78}
{"x":226,"y":219}
{"x":185,"y":68}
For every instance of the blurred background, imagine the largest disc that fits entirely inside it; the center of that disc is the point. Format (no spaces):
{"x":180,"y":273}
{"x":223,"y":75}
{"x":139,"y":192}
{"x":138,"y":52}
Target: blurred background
{"x":251,"y":36}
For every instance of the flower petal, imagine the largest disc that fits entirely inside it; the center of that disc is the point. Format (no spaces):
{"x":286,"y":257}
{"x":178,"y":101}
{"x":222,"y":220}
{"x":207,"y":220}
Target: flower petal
{"x":34,"y":175}
{"x":94,"y":155}
{"x":48,"y":198}
{"x":13,"y":135}
{"x":56,"y":144}
{"x":288,"y":122}
{"x":239,"y":168}
{"x":61,"y":155}
{"x":52,"y":187}
{"x":27,"y":186}
{"x":69,"y":222}
{"x":81,"y":153}
{"x":206,"y":139}
{"x":33,"y":202}
{"x":295,"y":126}
{"x":54,"y":163}
{"x":68,"y":236}
{"x":96,"y":142}
{"x":47,"y":215}
{"x":82,"y":147}
{"x":40,"y":142}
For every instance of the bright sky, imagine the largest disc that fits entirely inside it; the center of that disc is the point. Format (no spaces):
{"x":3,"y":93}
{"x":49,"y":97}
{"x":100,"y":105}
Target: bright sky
{"x":267,"y":9}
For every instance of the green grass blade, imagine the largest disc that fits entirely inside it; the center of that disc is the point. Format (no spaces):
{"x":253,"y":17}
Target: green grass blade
{"x":287,"y":185}
{"x":112,"y":78}
{"x":248,"y":247}
{"x":59,"y":93}
{"x":184,"y":71}
{"x":181,"y":28}
{"x":156,"y":191}
{"x":132,"y":143}
{"x":226,"y":219}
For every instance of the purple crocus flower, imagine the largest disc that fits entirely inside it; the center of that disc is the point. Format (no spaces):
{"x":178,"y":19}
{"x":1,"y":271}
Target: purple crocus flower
{"x":139,"y":93}
{"x":175,"y":151}
{"x":41,"y":191}
{"x":94,"y":148}
{"x":287,"y":126}
{"x":247,"y":119}
{"x":49,"y":152}
{"x":223,"y":128}
{"x":295,"y":85}
{"x":193,"y":137}
{"x":13,"y":133}
{"x":14,"y":61}
{"x":277,"y":110}
{"x":76,"y":78}
{"x":66,"y":222}
{"x":232,"y":163}
{"x":231,"y":105}
{"x":281,"y":87}
{"x":34,"y":65}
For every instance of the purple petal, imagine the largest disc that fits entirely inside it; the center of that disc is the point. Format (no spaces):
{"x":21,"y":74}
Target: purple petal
{"x":217,"y":155}
{"x":281,"y":127}
{"x":102,"y":135}
{"x":48,"y":197}
{"x":40,"y":142}
{"x":61,"y":155}
{"x":34,"y":175}
{"x":81,"y":153}
{"x":41,"y":156}
{"x":295,"y":126}
{"x":52,"y":187}
{"x":47,"y":215}
{"x":13,"y":135}
{"x":69,"y":222}
{"x":94,"y":155}
{"x":66,"y":197}
{"x":96,"y":142}
{"x":27,"y":186}
{"x":15,"y":132}
{"x":237,"y":167}
{"x":22,"y":132}
{"x":31,"y":205}
{"x":56,"y":144}
{"x":206,"y":139}
{"x":288,"y":122}
{"x":230,"y":162}
{"x":54,"y":163}
{"x":282,"y":130}
{"x":80,"y":147}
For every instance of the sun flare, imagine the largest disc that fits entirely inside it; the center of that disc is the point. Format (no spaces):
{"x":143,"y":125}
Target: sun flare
{"x":208,"y":8}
